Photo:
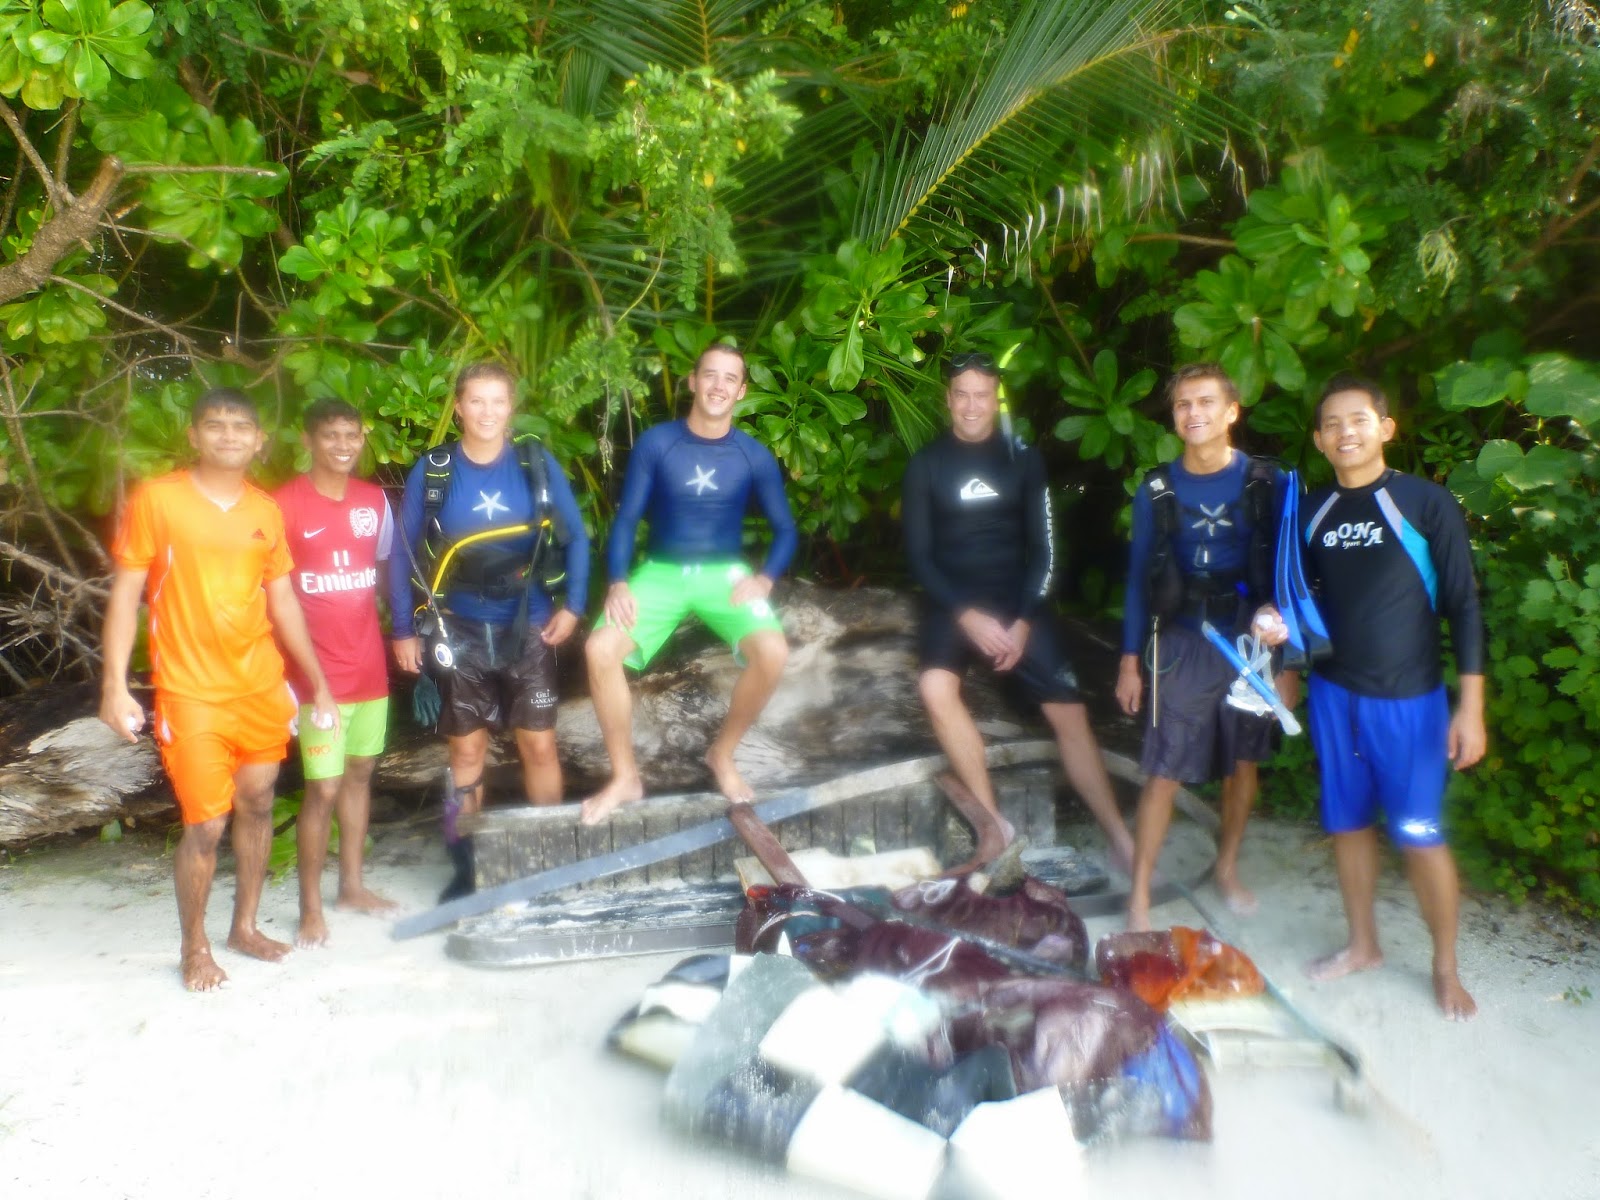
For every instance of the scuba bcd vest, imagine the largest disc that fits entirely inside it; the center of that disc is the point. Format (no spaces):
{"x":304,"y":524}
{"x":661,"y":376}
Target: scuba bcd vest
{"x":480,"y":562}
{"x":1169,"y":590}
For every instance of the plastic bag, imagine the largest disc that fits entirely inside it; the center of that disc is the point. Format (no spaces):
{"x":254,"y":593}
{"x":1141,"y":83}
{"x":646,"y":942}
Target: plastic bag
{"x":1035,"y":917}
{"x":1165,"y":965}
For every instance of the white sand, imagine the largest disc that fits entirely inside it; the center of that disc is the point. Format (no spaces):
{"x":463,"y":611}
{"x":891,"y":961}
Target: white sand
{"x":376,"y":1068}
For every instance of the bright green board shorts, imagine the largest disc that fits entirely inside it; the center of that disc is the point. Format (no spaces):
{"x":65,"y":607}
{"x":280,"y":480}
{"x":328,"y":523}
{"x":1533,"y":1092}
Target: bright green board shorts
{"x":360,"y":735}
{"x":665,"y":593}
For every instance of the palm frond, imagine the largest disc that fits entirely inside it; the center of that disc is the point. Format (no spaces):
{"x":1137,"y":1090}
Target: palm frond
{"x":1068,"y":72}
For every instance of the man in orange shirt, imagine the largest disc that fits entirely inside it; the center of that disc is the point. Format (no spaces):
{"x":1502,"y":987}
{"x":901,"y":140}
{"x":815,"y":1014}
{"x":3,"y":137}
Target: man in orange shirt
{"x":212,"y":547}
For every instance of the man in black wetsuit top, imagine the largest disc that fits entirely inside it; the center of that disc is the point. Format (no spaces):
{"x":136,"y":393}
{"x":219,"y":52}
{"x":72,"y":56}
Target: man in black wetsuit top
{"x":978,"y":534}
{"x":1389,"y":556}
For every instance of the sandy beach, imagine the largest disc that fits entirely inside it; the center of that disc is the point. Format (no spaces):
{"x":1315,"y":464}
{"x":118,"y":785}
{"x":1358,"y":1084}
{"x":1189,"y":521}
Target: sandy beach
{"x":385,"y":1069}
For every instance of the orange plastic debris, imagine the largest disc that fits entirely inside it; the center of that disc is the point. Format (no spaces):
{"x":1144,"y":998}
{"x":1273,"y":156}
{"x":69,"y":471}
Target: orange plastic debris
{"x":1176,"y":964}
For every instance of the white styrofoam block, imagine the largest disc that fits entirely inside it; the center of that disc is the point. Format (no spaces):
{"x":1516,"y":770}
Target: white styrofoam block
{"x":822,"y":1036}
{"x":856,"y":1143}
{"x":1006,"y":1147}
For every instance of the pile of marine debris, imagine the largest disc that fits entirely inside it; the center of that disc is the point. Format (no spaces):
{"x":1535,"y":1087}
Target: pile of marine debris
{"x":944,"y":1039}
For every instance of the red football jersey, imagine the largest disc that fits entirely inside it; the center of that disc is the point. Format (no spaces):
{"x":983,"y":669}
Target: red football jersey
{"x":336,"y":546}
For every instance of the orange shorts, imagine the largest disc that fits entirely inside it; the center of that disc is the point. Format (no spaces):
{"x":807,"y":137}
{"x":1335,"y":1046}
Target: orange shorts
{"x":203,"y":745}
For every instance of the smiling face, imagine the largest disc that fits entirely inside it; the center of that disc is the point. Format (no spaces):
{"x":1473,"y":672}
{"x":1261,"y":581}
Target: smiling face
{"x":973,"y":398}
{"x":484,"y":409}
{"x":1351,"y":433}
{"x":227,"y":439}
{"x":1202,"y":412}
{"x":336,"y":445}
{"x":717,"y":384}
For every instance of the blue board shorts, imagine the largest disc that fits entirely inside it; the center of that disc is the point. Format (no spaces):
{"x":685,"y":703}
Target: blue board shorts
{"x":1378,"y":754}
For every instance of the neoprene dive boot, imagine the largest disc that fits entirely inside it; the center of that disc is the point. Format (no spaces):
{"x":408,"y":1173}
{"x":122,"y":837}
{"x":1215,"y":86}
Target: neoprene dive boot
{"x":459,"y":848}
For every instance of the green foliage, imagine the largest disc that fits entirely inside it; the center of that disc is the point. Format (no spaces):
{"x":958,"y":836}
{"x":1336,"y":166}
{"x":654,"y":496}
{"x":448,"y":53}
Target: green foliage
{"x":67,"y":49}
{"x":1530,"y":817}
{"x":1115,"y":431}
{"x":355,"y":197}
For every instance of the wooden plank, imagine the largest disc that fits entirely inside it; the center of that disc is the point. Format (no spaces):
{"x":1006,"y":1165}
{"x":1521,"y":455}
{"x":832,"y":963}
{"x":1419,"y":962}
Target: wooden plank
{"x":889,"y":821}
{"x":557,"y":844}
{"x":593,"y":840}
{"x":491,"y":858}
{"x":856,"y":827}
{"x":627,"y":829}
{"x":827,"y":830}
{"x":925,"y":808}
{"x":659,"y":821}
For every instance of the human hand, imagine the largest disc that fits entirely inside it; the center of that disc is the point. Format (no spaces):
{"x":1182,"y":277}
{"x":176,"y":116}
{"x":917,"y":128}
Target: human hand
{"x":621,"y":608}
{"x":121,"y":713}
{"x":750,"y":589}
{"x":991,"y":638}
{"x":1269,"y":626}
{"x":559,"y":627}
{"x":1130,"y":685}
{"x":1018,"y":633}
{"x":408,"y":654}
{"x":1468,"y":739}
{"x":324,"y":710}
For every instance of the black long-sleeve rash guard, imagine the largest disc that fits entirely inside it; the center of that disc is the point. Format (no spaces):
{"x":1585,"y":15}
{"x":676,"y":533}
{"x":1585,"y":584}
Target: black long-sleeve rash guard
{"x":1389,"y":560}
{"x":977,"y":526}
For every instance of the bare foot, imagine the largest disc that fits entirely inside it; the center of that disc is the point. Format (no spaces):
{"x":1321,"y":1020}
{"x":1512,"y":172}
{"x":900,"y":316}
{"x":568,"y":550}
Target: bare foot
{"x":1241,"y":901}
{"x":200,"y":971}
{"x":611,"y":797}
{"x":313,"y":932}
{"x":359,"y":899}
{"x":1346,"y":962}
{"x":1454,"y":1000}
{"x":993,"y":831}
{"x":729,"y":782}
{"x":255,"y":944}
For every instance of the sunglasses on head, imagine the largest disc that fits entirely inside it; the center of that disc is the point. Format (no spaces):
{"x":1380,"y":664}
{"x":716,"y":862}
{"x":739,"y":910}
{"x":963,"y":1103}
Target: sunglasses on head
{"x":973,"y":358}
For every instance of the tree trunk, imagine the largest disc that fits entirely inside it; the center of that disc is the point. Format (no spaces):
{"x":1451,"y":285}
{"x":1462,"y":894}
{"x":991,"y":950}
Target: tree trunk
{"x":848,"y":699}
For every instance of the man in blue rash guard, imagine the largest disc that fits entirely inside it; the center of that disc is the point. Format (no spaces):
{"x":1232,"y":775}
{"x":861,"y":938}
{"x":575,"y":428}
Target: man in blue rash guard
{"x":693,"y":480}
{"x":1204,"y":537}
{"x":1389,"y":556}
{"x":979,"y":540}
{"x":494,"y":680}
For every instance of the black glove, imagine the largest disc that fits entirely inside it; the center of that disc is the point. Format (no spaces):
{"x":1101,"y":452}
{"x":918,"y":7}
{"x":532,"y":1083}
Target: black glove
{"x":426,"y":703}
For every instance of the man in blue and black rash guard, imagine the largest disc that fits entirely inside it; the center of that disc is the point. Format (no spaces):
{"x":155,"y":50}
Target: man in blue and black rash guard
{"x":976,"y":510}
{"x":503,"y":671}
{"x":693,"y":480}
{"x":1204,"y":535}
{"x":1389,"y":556}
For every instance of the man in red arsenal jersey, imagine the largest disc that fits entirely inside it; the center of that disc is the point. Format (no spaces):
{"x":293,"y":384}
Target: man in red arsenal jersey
{"x":339,"y":532}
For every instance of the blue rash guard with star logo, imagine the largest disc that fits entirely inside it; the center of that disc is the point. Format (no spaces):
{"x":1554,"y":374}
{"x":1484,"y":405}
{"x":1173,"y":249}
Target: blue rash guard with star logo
{"x":1212,"y":538}
{"x":694,"y":492}
{"x":483,"y":497}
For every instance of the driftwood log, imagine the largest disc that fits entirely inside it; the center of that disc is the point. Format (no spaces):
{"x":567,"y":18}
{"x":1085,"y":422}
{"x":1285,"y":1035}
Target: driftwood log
{"x":848,"y":699}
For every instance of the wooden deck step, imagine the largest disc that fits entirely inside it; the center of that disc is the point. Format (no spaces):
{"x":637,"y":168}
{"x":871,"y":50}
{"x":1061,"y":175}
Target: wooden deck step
{"x":513,"y":843}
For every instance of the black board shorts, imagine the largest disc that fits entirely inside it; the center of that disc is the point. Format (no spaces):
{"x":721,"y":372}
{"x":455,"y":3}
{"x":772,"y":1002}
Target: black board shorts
{"x":1043,"y":676}
{"x":1191,"y":733}
{"x":489,"y":687}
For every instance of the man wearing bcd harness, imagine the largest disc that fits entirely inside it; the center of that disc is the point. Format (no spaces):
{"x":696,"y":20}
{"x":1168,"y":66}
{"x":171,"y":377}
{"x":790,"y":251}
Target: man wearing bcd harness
{"x":479,"y":543}
{"x":1204,"y":536}
{"x":976,"y":512}
{"x":694,"y":480}
{"x":1389,"y":555}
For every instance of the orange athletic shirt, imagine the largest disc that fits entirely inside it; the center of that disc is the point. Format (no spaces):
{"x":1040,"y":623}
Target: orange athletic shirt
{"x":210,"y":638}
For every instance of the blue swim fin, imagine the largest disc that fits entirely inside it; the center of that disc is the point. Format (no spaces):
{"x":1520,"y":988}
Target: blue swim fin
{"x":1308,"y":632}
